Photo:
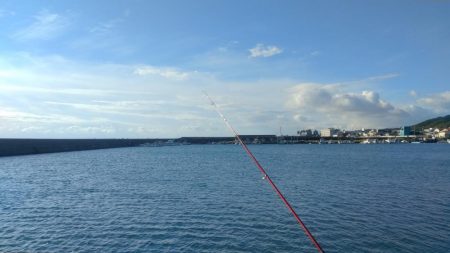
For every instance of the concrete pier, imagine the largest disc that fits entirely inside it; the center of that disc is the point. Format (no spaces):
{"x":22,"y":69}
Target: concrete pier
{"x":13,"y":147}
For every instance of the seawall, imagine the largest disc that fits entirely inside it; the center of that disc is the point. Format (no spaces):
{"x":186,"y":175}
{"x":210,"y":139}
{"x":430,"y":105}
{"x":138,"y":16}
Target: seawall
{"x":14,"y":147}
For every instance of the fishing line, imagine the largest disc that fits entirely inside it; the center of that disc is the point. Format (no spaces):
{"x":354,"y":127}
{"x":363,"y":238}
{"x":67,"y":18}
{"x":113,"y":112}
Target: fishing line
{"x":266,"y":176}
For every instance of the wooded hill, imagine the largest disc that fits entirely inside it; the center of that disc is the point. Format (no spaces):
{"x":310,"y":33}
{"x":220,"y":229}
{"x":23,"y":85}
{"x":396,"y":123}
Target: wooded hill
{"x":439,"y":122}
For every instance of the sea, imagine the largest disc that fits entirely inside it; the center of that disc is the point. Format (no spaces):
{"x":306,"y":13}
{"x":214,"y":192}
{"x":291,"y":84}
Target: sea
{"x":211,"y":198}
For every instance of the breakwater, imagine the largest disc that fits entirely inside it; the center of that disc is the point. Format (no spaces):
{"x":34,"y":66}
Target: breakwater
{"x":13,"y":147}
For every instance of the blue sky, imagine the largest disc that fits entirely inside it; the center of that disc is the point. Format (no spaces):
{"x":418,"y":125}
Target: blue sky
{"x":137,"y":68}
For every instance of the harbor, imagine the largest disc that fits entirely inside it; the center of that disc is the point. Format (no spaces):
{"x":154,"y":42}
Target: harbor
{"x":14,"y":147}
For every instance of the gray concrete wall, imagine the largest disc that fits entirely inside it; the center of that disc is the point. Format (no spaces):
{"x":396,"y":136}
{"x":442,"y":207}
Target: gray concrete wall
{"x":12,"y":147}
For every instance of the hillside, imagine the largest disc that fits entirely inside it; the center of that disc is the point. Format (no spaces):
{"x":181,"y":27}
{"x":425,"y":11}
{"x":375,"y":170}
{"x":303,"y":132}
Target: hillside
{"x":439,"y":122}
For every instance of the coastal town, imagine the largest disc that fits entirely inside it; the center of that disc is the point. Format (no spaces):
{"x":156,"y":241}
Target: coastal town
{"x":405,"y":134}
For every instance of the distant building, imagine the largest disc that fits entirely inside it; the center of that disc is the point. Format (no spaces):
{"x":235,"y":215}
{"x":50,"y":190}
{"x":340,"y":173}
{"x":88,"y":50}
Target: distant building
{"x":405,"y":131}
{"x":388,"y":132}
{"x":305,"y":133}
{"x":444,"y":134}
{"x":338,"y":133}
{"x":352,"y":134}
{"x":330,"y":132}
{"x":395,"y":132}
{"x":372,"y":132}
{"x":326,"y":132}
{"x":429,"y":133}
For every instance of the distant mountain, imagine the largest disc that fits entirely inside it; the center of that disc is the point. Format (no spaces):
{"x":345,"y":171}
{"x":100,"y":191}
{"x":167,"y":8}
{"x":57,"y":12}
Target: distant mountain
{"x":439,"y":122}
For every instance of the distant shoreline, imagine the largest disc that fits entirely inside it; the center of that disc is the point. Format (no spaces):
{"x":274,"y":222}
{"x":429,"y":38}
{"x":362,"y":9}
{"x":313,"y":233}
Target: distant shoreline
{"x":16,"y":147}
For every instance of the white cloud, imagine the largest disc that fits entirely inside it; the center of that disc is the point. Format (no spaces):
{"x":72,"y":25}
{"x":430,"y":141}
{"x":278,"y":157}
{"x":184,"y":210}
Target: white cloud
{"x":439,"y":102}
{"x":168,"y":73}
{"x":260,"y":50}
{"x":381,"y":77}
{"x":46,"y":26}
{"x":413,"y":93}
{"x":331,"y":106}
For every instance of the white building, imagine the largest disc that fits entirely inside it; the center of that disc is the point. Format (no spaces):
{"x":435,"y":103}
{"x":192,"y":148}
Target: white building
{"x":444,"y":134}
{"x":326,"y":132}
{"x":330,"y":132}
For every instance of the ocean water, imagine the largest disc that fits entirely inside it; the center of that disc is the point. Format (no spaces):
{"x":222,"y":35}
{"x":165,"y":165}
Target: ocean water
{"x":211,"y":198}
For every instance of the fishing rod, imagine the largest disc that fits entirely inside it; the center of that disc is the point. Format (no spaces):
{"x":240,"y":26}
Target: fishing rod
{"x":266,"y":176}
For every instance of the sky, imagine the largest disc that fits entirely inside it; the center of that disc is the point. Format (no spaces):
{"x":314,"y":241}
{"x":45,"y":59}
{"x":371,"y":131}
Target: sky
{"x":138,"y":69}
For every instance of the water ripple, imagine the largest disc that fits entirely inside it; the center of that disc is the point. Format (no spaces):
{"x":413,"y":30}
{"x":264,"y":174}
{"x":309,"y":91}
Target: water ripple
{"x":211,"y":199}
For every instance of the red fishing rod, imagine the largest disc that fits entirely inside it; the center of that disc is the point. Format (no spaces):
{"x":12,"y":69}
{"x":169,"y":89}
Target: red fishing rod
{"x":266,"y":176}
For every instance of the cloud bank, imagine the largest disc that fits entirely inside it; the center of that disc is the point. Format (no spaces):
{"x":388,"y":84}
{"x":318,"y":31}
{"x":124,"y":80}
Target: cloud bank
{"x":328,"y":105}
{"x":438,"y":102}
{"x":53,"y":96}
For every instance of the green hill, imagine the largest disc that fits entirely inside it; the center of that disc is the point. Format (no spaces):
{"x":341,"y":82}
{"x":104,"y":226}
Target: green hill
{"x":439,"y":122}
